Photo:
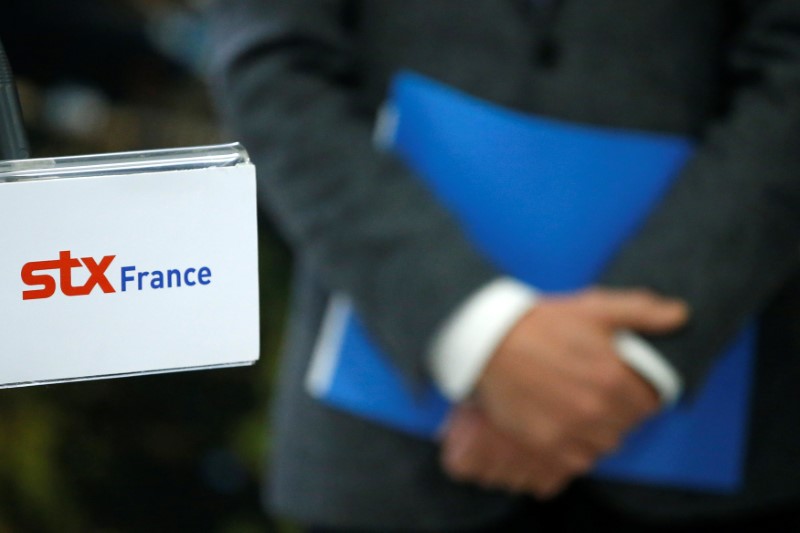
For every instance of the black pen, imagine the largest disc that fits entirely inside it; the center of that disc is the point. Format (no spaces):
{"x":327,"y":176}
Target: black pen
{"x":13,"y":141}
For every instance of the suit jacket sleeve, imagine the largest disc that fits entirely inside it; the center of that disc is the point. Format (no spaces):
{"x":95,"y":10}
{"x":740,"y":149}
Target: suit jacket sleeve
{"x":285,"y":73}
{"x":728,"y":235}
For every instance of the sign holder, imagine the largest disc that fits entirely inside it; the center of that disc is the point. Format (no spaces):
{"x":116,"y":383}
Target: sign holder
{"x":125,"y":263}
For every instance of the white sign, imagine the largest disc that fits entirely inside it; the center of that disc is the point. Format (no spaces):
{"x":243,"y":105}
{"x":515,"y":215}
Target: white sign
{"x":115,"y":275}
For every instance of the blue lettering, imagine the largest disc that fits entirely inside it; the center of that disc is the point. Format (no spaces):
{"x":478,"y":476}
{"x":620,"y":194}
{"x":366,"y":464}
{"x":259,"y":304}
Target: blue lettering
{"x":125,"y":277}
{"x":157,"y":280}
{"x":174,"y":274}
{"x":203,"y":276}
{"x":174,"y":277}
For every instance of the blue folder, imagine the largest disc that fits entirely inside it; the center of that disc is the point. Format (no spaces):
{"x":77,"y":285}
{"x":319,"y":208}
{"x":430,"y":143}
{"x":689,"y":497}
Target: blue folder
{"x":549,"y":202}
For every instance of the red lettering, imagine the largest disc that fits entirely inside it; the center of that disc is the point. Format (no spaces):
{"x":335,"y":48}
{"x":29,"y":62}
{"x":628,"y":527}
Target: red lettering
{"x":97,"y":274}
{"x":47,"y":282}
{"x":64,"y":264}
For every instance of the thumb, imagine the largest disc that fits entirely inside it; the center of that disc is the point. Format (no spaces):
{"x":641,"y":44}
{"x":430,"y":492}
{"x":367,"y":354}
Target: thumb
{"x":637,"y":309}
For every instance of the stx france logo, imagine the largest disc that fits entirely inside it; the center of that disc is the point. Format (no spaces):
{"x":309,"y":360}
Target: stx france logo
{"x":33,"y":275}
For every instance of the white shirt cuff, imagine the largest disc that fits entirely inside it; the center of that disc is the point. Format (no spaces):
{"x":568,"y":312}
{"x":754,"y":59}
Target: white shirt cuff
{"x":469,"y":337}
{"x":650,"y":365}
{"x":465,"y":343}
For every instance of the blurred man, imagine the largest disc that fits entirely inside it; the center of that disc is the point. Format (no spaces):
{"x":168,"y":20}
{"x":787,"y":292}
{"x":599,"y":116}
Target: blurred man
{"x":299,"y":83}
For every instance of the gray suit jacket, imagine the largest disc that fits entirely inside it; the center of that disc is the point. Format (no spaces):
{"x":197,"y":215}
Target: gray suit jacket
{"x":298,"y":81}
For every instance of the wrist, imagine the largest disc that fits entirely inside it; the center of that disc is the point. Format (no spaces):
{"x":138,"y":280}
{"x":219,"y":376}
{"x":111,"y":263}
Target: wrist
{"x":465,"y":343}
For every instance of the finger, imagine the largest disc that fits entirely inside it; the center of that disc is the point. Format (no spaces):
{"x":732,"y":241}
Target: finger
{"x":537,"y":475}
{"x":640,"y":392}
{"x":590,"y":393}
{"x":596,"y":442}
{"x":597,"y":408}
{"x":632,"y":398}
{"x":506,"y":462}
{"x":463,"y":453}
{"x":601,"y":398}
{"x":477,"y":452}
{"x":494,"y":459}
{"x":637,"y":309}
{"x":553,"y":488}
{"x":568,"y":448}
{"x":547,"y":482}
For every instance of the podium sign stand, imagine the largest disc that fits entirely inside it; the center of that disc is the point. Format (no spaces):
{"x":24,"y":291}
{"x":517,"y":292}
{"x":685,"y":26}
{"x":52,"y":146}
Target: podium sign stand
{"x":130,"y":263}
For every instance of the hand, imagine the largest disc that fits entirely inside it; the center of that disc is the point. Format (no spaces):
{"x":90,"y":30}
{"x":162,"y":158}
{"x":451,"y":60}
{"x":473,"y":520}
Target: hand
{"x":556,"y":385}
{"x":476,"y":451}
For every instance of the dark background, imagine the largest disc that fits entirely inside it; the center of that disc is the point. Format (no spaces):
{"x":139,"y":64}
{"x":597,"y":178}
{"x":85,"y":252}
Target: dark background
{"x":178,"y":452}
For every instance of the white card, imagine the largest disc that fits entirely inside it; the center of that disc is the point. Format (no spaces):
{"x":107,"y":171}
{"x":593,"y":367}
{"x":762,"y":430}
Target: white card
{"x":120,"y":274}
